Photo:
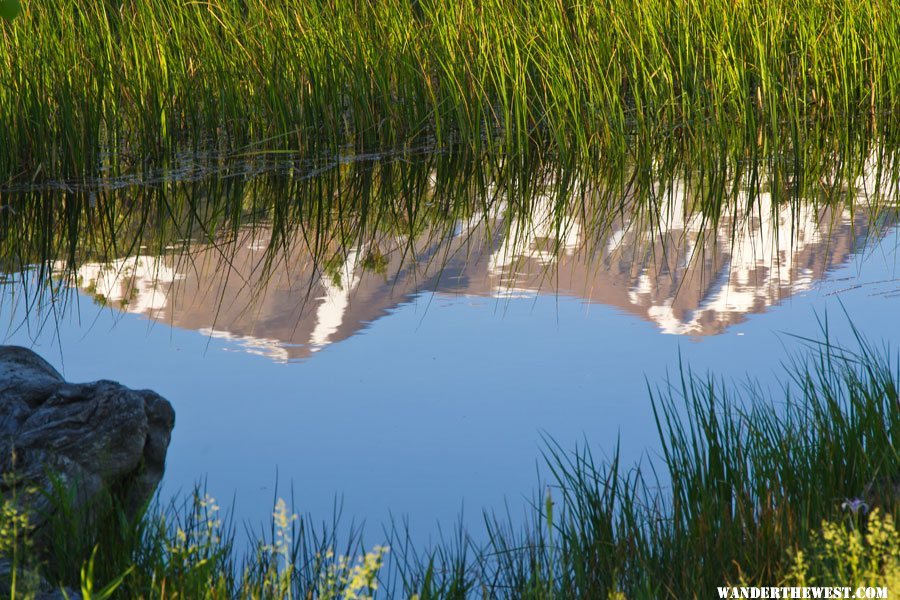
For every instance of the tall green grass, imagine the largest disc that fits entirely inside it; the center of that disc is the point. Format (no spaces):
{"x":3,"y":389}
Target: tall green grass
{"x":745,"y":480}
{"x":92,"y":88}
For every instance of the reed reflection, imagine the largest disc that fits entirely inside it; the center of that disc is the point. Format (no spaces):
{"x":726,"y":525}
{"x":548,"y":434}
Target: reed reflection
{"x":286,"y":289}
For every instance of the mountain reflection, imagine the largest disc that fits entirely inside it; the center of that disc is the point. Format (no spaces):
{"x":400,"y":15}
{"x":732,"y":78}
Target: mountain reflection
{"x":672,"y":267}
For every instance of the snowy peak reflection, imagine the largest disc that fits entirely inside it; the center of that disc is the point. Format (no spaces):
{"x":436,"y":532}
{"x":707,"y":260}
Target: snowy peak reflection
{"x":671,"y":267}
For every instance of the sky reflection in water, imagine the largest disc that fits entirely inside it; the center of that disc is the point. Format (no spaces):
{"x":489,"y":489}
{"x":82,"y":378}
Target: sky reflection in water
{"x":417,"y":377}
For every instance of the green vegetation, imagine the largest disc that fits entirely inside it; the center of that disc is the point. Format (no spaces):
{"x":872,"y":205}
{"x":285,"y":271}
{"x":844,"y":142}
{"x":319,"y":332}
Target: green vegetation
{"x":748,"y":491}
{"x":9,"y":9}
{"x":863,"y":556}
{"x":150,"y":127}
{"x":102,"y":88}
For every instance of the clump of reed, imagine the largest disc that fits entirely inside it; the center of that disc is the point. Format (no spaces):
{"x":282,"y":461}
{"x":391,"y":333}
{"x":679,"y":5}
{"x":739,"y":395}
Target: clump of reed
{"x":94,"y":88}
{"x":751,"y":489}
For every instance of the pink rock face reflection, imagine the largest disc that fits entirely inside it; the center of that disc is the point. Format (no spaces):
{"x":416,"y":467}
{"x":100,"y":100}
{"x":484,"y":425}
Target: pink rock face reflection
{"x":672,"y":268}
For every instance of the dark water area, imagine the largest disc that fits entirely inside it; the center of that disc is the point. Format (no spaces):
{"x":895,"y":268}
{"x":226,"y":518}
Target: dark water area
{"x":404,"y":334}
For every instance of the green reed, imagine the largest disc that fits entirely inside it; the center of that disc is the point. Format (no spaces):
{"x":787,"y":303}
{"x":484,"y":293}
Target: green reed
{"x":99,"y":88}
{"x":745,"y":478}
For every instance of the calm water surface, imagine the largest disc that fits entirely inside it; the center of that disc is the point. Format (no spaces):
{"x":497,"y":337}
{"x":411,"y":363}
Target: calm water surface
{"x":415,"y":376}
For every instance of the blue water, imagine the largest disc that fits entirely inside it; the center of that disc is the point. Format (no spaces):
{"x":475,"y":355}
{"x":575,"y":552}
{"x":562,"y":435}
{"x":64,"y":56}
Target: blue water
{"x":437,"y":408}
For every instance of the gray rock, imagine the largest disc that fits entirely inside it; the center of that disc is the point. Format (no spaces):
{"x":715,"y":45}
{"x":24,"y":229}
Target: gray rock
{"x":31,"y":585}
{"x":90,"y":437}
